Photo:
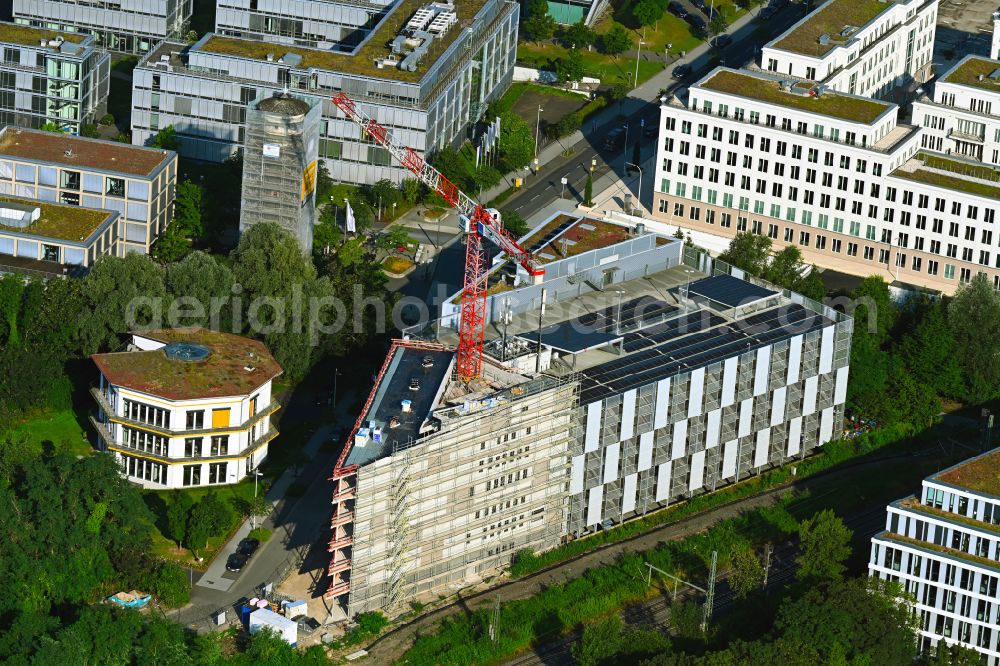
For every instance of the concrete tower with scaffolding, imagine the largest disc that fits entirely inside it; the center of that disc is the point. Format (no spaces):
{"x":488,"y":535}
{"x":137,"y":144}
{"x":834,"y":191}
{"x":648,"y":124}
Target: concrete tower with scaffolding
{"x":279,"y":164}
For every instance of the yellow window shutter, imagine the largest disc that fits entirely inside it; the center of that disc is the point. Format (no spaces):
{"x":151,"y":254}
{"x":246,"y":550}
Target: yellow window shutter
{"x":220,"y":418}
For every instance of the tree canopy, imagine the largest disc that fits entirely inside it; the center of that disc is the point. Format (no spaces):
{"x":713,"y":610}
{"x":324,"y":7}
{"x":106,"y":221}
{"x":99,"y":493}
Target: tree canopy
{"x":616,"y":40}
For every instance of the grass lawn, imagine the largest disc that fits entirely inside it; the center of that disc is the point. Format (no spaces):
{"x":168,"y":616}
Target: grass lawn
{"x":608,"y":69}
{"x":60,"y":427}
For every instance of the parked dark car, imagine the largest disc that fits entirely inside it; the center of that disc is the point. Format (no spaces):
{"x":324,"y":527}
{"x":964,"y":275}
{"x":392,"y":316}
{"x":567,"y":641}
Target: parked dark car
{"x":613,"y":138}
{"x":247,"y":547}
{"x":677,"y":9}
{"x":766,"y":13}
{"x":696,"y":22}
{"x":722,"y":41}
{"x":682,"y":71}
{"x":236,"y":562}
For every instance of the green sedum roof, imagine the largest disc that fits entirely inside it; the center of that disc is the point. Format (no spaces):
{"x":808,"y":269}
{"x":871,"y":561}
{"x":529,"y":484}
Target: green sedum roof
{"x":829,"y":19}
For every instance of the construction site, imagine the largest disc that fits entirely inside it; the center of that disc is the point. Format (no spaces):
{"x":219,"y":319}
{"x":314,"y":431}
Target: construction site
{"x":622,"y":374}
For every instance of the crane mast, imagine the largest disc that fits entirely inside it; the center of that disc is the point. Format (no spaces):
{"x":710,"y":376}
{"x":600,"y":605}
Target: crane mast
{"x":482,"y":224}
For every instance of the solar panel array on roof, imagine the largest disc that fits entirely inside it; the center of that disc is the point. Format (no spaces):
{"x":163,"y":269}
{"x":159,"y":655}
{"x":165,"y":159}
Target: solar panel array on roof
{"x":728,"y":290}
{"x":634,"y":313}
{"x":552,"y":235}
{"x":697,"y":349}
{"x":689,"y":323}
{"x":569,"y":336}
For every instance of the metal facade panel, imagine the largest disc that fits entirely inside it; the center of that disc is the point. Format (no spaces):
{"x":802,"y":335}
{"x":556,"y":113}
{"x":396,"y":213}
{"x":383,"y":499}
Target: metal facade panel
{"x":795,"y":436}
{"x":712,"y":428}
{"x":809,"y":396}
{"x":576,"y":475}
{"x":840,"y":390}
{"x":629,"y":492}
{"x":826,"y":351}
{"x":729,"y":374}
{"x":729,"y":459}
{"x":696,"y":395}
{"x":645,"y":451}
{"x":761,"y":370}
{"x":778,"y":405}
{"x":662,"y":403}
{"x":595,"y":501}
{"x":628,"y":415}
{"x":592,"y":440}
{"x":826,"y":425}
{"x":746,"y":418}
{"x":611,"y":455}
{"x":679,"y":442}
{"x":697,"y":478}
{"x":762,"y":447}
{"x":663,"y":482}
{"x":794,"y":359}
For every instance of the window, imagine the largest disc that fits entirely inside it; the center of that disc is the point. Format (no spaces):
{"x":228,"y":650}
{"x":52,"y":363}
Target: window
{"x":143,"y":413}
{"x":192,"y":475}
{"x":195,"y":419}
{"x":217,"y":472}
{"x":220,"y":418}
{"x":192,"y":447}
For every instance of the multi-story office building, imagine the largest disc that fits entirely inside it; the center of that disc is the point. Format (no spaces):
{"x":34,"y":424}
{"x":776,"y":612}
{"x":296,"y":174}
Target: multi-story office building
{"x":323,"y":24}
{"x":186,"y":407}
{"x":654,"y":374}
{"x":963,"y":116}
{"x":136,"y":183}
{"x":943,"y":547}
{"x":51,"y":77}
{"x":129,"y":26}
{"x":838,"y":175}
{"x":425,"y":76}
{"x":861,"y":48}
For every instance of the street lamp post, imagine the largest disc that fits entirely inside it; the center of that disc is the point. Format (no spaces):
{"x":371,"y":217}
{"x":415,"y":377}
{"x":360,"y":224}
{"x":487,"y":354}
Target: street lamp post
{"x":625,"y":148}
{"x":538,"y":120}
{"x":639,"y":195}
{"x":635,"y":81}
{"x":256,"y":475}
{"x":336,"y":373}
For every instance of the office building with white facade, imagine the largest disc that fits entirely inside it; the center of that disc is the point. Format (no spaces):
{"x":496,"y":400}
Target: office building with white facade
{"x":426,"y":72}
{"x":943,"y":548}
{"x":47,"y":76}
{"x":866,"y":48}
{"x":962,"y":115}
{"x":186,"y":407}
{"x":135,"y":182}
{"x":323,"y":24}
{"x":654,"y":374}
{"x":838,"y":175}
{"x":128,"y":26}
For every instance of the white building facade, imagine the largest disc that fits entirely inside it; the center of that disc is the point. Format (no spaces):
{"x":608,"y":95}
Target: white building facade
{"x":858,"y":48}
{"x":178,"y":434}
{"x":837,"y":175}
{"x":943,"y":547}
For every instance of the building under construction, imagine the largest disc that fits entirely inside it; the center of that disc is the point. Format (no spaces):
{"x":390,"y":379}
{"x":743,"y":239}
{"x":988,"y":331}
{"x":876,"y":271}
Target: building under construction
{"x":638,"y":373}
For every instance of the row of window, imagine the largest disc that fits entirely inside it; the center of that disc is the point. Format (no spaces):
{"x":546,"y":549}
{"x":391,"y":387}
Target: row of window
{"x":146,"y":470}
{"x":148,"y":414}
{"x":217,"y":473}
{"x":194,"y":447}
{"x":144,"y":441}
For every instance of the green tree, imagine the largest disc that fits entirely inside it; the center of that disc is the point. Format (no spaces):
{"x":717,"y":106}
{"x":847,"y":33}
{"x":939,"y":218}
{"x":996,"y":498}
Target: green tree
{"x":514,"y":223}
{"x":122,"y":294}
{"x":11,"y":292}
{"x":945,"y":654}
{"x":178,"y":515}
{"x":90,"y":131}
{"x":200,"y":288}
{"x":324,"y":183}
{"x":327,"y":234}
{"x":616,"y":40}
{"x":385,"y":193}
{"x":51,"y":127}
{"x":172,"y":244}
{"x":516,"y":142}
{"x":618,"y":92}
{"x":578,"y":35}
{"x":867,"y":390}
{"x":811,"y":285}
{"x":824,"y":546}
{"x":209,"y":517}
{"x":537,"y":24}
{"x":568,"y":124}
{"x":166,"y":139}
{"x":783,"y":269}
{"x":929,"y":353}
{"x":411,"y":189}
{"x":189,"y":208}
{"x":600,"y":643}
{"x":910,"y":401}
{"x":570,"y":68}
{"x":588,"y":190}
{"x":873,"y":308}
{"x":719,"y":23}
{"x":647,"y":12}
{"x":749,"y":252}
{"x":392,"y":238}
{"x":746,"y":573}
{"x":973,"y":315}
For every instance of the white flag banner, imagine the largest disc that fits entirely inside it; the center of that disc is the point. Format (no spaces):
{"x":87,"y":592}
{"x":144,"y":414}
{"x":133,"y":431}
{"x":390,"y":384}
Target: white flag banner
{"x":351,"y":227}
{"x":479,"y":150}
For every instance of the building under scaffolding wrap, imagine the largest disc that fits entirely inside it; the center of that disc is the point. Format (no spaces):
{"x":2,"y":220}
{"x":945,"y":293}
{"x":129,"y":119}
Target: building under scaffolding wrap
{"x":656,"y":374}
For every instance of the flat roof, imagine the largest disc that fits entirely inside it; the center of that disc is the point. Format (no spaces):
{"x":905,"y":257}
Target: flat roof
{"x":24,"y":35}
{"x":39,"y":146}
{"x":66,"y":223}
{"x":980,"y":474}
{"x":729,"y":291}
{"x":405,"y":365}
{"x":964,"y":171}
{"x":767,"y":89}
{"x":375,"y":46}
{"x":569,"y":235}
{"x":223,"y":373}
{"x":830,"y":19}
{"x":569,"y":337}
{"x":968,"y":71}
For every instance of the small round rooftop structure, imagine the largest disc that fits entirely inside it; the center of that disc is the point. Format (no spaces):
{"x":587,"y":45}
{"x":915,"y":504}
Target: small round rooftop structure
{"x":284,"y":104}
{"x":186,"y":351}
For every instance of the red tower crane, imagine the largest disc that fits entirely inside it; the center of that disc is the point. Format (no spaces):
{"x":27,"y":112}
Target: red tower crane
{"x":481,"y":223}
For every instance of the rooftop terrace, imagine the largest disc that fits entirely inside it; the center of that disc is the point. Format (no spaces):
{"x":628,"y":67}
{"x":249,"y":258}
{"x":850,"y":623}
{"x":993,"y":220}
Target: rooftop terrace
{"x":70,"y":151}
{"x":830,"y":19}
{"x":975,"y":71}
{"x":237,"y":366}
{"x":969,"y":177}
{"x":362,"y":62}
{"x":769,"y":90}
{"x":980,"y":474}
{"x":24,"y":35}
{"x":65,"y":223}
{"x":569,"y":235}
